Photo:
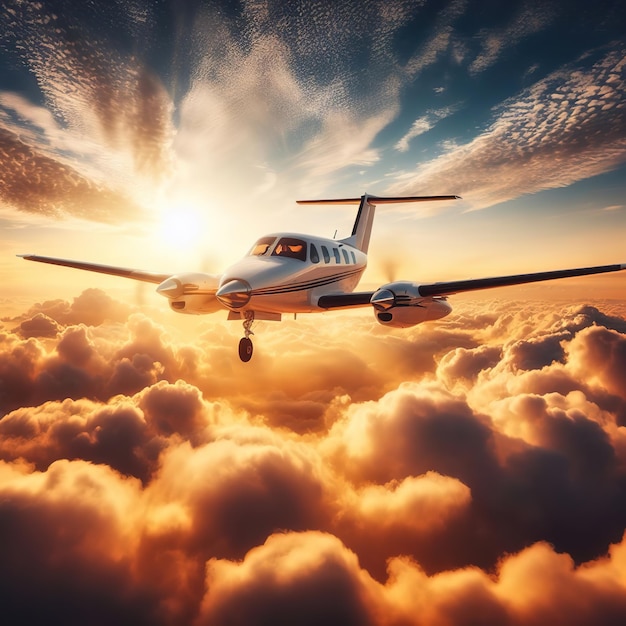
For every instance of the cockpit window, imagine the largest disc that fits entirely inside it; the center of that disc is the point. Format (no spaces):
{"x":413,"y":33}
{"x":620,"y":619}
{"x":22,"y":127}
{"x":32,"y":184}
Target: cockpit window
{"x":292,"y":248}
{"x":262,"y":246}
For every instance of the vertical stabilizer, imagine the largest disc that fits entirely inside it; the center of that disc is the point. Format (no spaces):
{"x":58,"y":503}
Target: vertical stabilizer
{"x":362,"y":229}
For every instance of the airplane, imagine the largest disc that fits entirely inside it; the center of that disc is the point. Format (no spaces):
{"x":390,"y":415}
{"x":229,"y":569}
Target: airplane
{"x":286,"y":273}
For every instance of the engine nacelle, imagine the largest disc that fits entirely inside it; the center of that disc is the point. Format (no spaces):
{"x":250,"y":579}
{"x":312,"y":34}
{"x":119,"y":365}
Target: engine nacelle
{"x":192,"y":293}
{"x":400,"y":305}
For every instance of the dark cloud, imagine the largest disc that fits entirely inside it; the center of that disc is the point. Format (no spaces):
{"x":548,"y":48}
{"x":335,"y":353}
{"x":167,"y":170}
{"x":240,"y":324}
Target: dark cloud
{"x":66,"y":544}
{"x":115,"y":435}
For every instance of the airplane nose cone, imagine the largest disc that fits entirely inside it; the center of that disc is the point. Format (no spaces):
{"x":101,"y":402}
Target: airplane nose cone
{"x":170,"y":288}
{"x":234,"y":294}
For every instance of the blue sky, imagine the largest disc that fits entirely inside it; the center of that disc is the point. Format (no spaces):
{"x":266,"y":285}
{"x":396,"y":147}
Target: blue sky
{"x":118,"y":120}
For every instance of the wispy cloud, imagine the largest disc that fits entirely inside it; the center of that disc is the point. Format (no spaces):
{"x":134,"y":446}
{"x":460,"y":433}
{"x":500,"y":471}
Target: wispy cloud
{"x":423,"y":125}
{"x":106,"y":119}
{"x":442,"y":41}
{"x":567,"y":127}
{"x":530,"y":19}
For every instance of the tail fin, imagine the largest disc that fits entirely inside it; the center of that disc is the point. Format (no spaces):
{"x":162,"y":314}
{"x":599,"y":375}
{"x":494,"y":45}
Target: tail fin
{"x":362,"y":229}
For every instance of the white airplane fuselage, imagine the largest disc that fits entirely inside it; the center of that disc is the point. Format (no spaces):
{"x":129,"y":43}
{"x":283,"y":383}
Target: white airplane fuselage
{"x":274,"y":283}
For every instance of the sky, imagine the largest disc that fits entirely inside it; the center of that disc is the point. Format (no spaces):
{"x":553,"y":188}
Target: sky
{"x":469,"y":471}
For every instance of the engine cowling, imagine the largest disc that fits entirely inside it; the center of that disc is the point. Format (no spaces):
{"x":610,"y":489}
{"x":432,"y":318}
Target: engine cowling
{"x":192,"y":293}
{"x":400,"y":305}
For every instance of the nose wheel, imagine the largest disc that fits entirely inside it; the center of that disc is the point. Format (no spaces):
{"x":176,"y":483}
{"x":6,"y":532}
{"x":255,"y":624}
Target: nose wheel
{"x":245,"y":344}
{"x":245,"y":349}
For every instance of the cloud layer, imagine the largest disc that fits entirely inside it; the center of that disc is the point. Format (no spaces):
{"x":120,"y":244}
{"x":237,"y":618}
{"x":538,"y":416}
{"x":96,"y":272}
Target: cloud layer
{"x":468,"y":472}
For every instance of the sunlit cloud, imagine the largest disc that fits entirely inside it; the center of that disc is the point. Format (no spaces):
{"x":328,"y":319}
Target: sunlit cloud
{"x":550,"y":136}
{"x":221,"y":489}
{"x":423,"y":125}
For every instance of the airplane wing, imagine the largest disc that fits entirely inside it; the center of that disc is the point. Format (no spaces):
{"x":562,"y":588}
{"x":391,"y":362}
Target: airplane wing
{"x":362,"y":298}
{"x":147,"y":277}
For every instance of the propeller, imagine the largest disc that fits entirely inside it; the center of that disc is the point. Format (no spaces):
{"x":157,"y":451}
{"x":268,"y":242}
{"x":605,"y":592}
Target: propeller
{"x":389,"y":267}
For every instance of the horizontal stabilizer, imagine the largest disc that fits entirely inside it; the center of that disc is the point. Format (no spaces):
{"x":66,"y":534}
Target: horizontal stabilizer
{"x":380,"y":200}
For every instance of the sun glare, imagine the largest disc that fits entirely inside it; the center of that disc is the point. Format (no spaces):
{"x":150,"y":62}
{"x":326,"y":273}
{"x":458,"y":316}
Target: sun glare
{"x":181,"y":226}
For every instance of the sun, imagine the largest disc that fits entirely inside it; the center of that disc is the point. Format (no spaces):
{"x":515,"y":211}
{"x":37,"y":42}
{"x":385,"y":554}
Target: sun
{"x":181,"y":228}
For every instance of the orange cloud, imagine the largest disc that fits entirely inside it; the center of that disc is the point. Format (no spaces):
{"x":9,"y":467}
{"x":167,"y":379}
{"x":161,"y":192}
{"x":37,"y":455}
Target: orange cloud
{"x":148,"y":476}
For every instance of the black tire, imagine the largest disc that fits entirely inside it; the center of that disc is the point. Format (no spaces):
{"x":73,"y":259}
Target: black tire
{"x":245,"y":349}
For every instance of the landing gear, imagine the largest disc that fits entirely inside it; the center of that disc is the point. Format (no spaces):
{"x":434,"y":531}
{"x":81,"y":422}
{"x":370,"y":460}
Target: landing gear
{"x":245,"y":345}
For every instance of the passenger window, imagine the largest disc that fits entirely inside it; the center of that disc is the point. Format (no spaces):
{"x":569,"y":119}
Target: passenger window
{"x":345,"y":257}
{"x":315,"y":257}
{"x":326,"y":255}
{"x":337,"y":257}
{"x":292,"y":248}
{"x":353,"y":257}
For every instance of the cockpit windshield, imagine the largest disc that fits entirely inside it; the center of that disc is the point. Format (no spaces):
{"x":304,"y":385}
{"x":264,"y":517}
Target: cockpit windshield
{"x":262,"y":246}
{"x":291,"y":247}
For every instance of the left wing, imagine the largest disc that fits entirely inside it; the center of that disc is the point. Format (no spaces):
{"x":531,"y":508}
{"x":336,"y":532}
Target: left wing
{"x":147,"y":277}
{"x":362,"y":298}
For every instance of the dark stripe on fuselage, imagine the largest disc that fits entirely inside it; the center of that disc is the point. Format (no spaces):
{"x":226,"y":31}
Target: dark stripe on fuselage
{"x":310,"y":284}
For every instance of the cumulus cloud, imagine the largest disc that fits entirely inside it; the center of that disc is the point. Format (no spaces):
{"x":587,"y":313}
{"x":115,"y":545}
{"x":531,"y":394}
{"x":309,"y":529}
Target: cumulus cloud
{"x":380,"y":491}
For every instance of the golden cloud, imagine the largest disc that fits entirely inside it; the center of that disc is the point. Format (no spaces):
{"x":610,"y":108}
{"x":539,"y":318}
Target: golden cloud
{"x":149,"y":477}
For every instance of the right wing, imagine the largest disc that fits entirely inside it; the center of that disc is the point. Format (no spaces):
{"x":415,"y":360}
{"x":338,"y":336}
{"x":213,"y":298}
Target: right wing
{"x":362,"y":298}
{"x":147,"y":277}
{"x":460,"y":286}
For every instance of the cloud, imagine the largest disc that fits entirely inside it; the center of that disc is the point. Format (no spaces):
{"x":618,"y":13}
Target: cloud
{"x":442,"y":40}
{"x":40,"y":325}
{"x":559,"y":131}
{"x":36,"y":183}
{"x":422,"y":125}
{"x":306,"y":579}
{"x":472,"y":470}
{"x":106,"y":126}
{"x":529,"y":20}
